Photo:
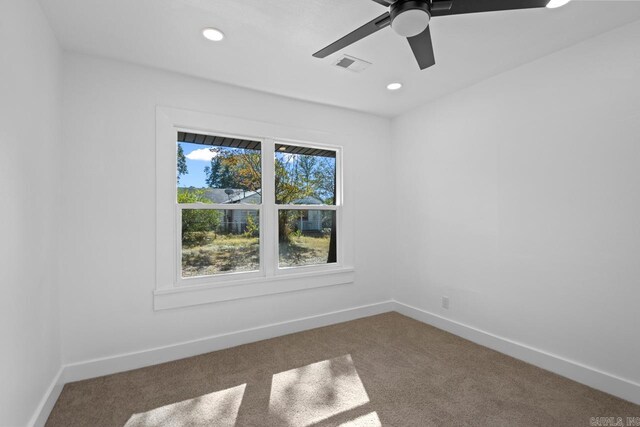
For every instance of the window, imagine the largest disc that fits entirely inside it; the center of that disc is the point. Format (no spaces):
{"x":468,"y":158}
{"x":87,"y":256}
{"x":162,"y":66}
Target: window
{"x":221,"y":197}
{"x":247,"y":208}
{"x":305,"y":185}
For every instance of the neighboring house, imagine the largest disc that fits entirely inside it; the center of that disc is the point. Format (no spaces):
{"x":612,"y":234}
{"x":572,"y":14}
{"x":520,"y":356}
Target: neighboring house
{"x":236,"y":220}
{"x":224,"y":196}
{"x":309,"y":220}
{"x":233,"y":220}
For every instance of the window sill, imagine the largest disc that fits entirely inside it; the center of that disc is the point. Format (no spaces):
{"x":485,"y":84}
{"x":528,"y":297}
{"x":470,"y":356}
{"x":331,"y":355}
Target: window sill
{"x":186,"y":296}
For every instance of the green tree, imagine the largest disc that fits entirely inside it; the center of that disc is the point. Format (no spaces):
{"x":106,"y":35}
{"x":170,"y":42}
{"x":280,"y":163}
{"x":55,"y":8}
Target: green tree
{"x":182,"y":163}
{"x":252,"y":229}
{"x":198,"y":225}
{"x":299,"y":176}
{"x":213,"y":173}
{"x":286,"y":190}
{"x":324,"y":179}
{"x":236,"y":168}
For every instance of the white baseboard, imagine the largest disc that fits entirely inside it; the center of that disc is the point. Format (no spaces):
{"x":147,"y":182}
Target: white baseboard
{"x":583,"y":374}
{"x":49,"y":399}
{"x":125,"y":362}
{"x":606,"y":382}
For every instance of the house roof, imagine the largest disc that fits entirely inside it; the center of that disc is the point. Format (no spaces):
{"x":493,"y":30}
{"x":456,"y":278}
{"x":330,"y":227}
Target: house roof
{"x":309,"y":200}
{"x":307,"y":151}
{"x":219,"y":195}
{"x":220,"y":141}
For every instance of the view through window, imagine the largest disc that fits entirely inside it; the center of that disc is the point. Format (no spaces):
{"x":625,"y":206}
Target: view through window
{"x":220,"y":203}
{"x":305,"y":177}
{"x":215,"y":177}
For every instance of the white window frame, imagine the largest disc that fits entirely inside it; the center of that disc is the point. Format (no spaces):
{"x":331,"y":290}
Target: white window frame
{"x":172,"y":290}
{"x":222,"y":278}
{"x":337,"y":207}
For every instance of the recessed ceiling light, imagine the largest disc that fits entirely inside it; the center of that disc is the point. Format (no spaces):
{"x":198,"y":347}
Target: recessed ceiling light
{"x":394,"y":86}
{"x":557,"y":3}
{"x":213,"y":34}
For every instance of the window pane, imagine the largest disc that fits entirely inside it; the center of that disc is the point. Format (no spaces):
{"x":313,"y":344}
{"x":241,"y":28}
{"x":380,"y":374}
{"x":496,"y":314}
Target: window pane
{"x":305,"y":176}
{"x":306,"y":237}
{"x":219,"y":241}
{"x":220,"y":170}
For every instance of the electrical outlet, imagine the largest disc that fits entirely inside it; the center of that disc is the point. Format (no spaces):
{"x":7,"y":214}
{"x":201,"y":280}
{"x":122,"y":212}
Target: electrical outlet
{"x":445,"y":303}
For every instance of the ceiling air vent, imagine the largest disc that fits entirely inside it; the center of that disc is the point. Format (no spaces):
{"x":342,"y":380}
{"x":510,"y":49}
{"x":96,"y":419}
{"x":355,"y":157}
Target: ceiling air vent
{"x":351,"y":63}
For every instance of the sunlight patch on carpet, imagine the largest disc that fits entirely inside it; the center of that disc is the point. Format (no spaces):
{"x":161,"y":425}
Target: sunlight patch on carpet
{"x":315,"y":392}
{"x":368,"y":420}
{"x":219,"y":408}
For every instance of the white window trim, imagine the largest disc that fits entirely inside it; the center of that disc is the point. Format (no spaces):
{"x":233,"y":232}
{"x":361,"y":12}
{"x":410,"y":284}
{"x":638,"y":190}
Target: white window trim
{"x":174,"y":291}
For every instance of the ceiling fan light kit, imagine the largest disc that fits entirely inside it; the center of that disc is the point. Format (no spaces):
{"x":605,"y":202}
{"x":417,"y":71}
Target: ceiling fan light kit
{"x":411,"y":18}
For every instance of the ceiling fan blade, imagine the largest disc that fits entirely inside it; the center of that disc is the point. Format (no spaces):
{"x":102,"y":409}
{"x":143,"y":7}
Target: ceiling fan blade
{"x":472,"y":6}
{"x":367,"y":29}
{"x":384,"y":2}
{"x":422,"y":48}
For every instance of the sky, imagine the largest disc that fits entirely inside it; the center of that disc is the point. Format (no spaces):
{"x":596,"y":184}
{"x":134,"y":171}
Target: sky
{"x":198,"y":156}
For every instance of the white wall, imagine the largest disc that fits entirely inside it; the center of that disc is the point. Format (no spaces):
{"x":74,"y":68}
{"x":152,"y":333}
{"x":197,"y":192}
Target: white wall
{"x":29,"y":178}
{"x":523,"y":204}
{"x":107,"y":220}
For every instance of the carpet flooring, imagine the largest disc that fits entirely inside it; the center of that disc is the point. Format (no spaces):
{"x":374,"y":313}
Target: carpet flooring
{"x":385,"y":370}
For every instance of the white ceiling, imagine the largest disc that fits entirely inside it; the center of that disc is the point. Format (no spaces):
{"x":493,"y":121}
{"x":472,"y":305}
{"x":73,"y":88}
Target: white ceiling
{"x":270,"y":42}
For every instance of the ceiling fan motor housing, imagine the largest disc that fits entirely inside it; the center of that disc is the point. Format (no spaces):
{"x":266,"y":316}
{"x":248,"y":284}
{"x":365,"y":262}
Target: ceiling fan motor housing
{"x":410,"y":17}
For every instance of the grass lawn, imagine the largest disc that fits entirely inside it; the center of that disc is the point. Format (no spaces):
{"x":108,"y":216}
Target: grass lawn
{"x":304,"y":250}
{"x":234,"y":253}
{"x":221,"y":254}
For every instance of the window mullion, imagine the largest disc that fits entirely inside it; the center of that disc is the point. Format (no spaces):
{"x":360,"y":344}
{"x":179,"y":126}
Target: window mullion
{"x":268,"y":236}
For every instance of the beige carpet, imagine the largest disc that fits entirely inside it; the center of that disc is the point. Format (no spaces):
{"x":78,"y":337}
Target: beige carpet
{"x":384,"y":370}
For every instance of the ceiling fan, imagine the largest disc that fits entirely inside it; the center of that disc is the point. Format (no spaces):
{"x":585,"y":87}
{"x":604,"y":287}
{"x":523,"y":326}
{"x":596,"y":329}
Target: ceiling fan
{"x":410,"y":19}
